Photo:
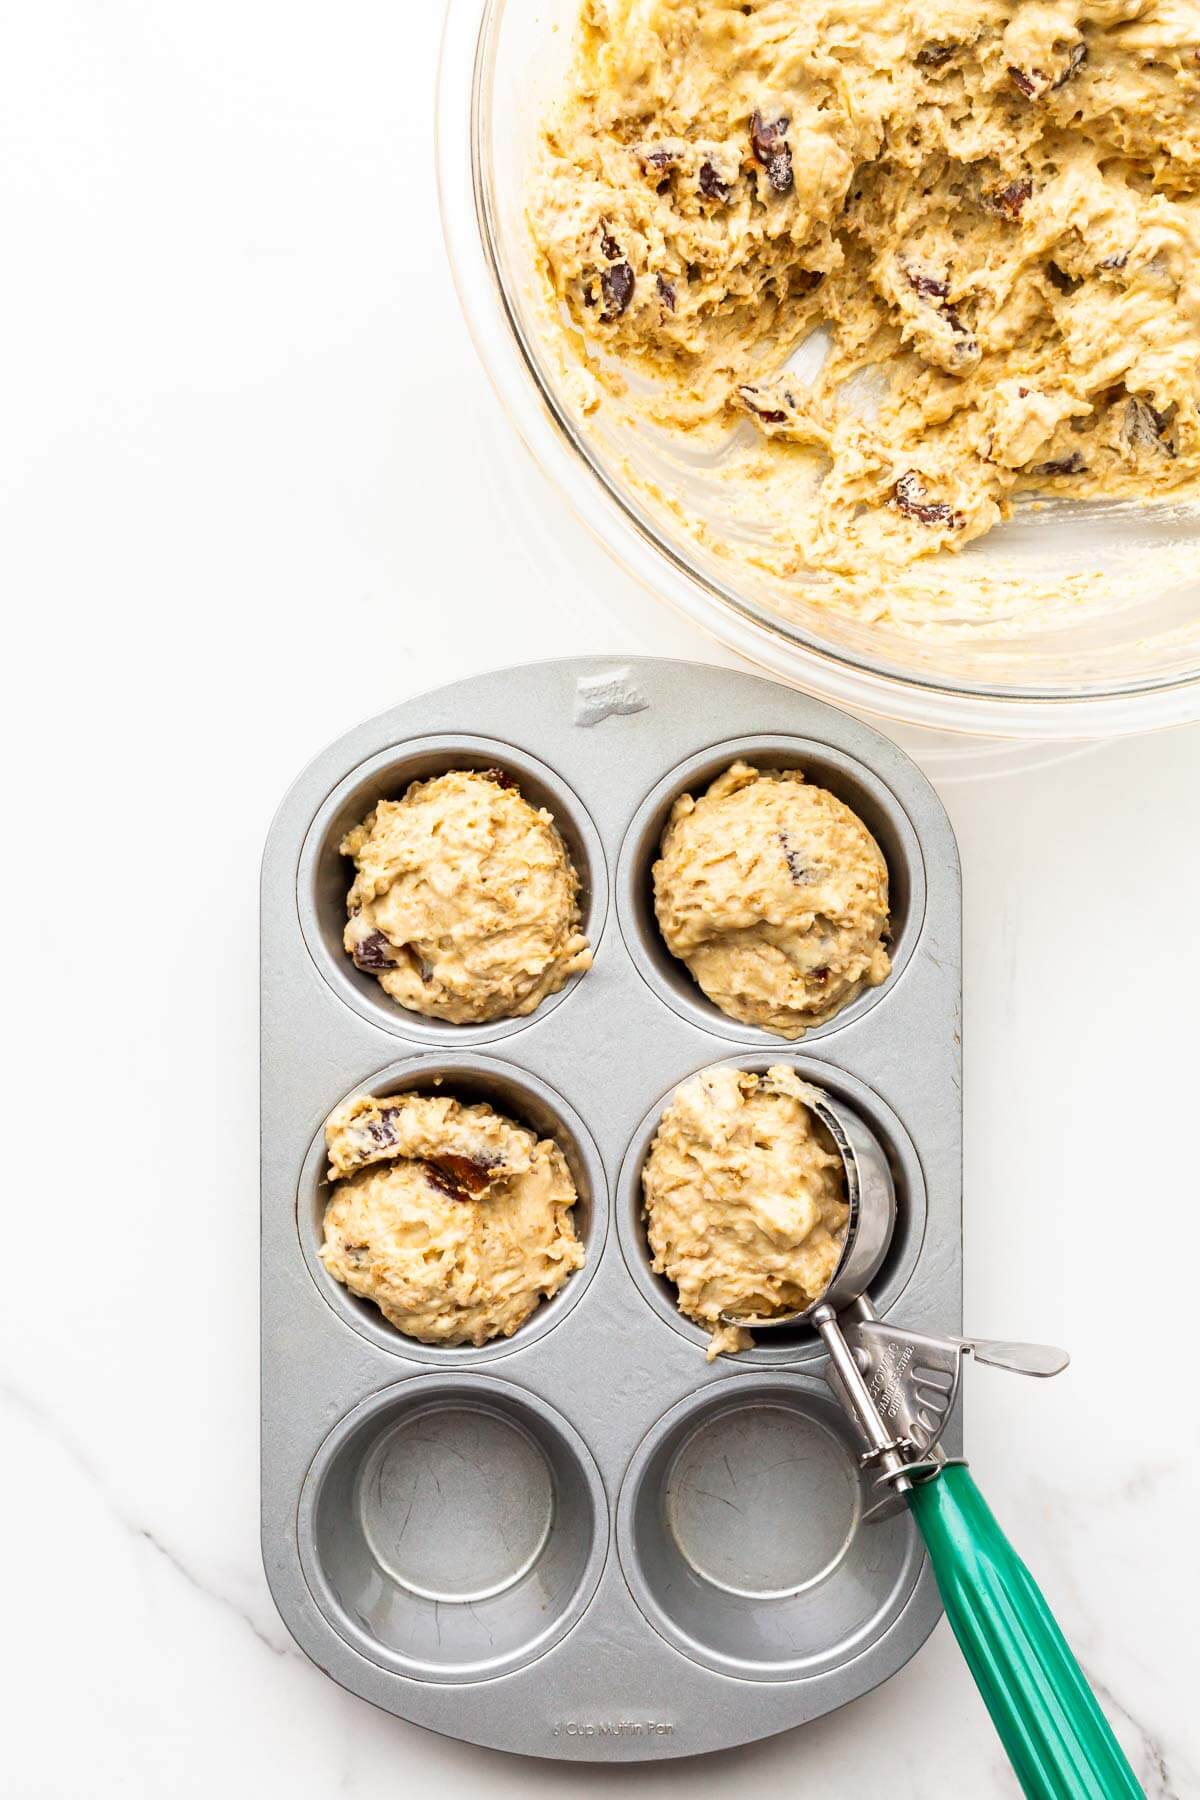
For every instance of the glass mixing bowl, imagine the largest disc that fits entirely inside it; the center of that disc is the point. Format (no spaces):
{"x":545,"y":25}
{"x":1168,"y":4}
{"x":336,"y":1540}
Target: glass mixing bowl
{"x":1127,"y":660}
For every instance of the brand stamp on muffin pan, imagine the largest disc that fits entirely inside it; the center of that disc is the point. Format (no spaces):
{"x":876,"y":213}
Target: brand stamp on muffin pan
{"x":584,"y":1541}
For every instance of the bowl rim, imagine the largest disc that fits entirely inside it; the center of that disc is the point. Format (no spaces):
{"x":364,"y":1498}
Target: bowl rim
{"x":628,"y":533}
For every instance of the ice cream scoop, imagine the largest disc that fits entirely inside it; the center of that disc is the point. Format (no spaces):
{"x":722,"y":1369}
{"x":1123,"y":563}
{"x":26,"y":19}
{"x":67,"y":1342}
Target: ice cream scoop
{"x":898,"y":1387}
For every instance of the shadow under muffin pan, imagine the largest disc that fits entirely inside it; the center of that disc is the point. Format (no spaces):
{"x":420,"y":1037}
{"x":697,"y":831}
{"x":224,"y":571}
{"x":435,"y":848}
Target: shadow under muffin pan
{"x":585,"y":1541}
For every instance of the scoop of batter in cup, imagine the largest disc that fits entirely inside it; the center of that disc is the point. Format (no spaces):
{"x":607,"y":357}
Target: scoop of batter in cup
{"x":775,"y":895}
{"x":465,"y":902}
{"x":453,"y":1220}
{"x":744,"y":1199}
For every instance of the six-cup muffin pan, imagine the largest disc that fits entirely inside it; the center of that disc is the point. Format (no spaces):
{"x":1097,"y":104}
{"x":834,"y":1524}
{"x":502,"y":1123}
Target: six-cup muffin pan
{"x":585,"y":1541}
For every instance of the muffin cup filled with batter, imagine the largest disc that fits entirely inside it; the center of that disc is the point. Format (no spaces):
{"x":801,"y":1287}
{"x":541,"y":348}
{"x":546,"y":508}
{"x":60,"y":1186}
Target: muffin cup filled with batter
{"x":768,"y":890}
{"x":745,"y":1199}
{"x":452,"y":888}
{"x":775,"y":895}
{"x":728,"y":1201}
{"x":465,"y":903}
{"x":452,"y":1211}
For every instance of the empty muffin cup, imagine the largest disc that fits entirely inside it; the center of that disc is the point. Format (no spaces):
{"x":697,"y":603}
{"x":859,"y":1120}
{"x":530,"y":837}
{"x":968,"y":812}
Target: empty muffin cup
{"x":453,"y":1528}
{"x":325,"y":874}
{"x":740,"y":1532}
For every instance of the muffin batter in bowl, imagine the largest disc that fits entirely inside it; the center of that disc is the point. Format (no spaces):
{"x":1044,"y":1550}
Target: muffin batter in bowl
{"x":775,"y":895}
{"x":991,"y":211}
{"x":465,"y":902}
{"x":744,"y":1200}
{"x":455,"y":1221}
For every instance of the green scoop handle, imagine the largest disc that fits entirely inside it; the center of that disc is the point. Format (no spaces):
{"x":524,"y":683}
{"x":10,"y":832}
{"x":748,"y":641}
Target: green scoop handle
{"x":1056,"y":1736}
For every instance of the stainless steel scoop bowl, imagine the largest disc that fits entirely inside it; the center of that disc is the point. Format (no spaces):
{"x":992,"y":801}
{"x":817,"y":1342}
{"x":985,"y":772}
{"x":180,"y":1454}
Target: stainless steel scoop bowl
{"x":871,"y":1197}
{"x":910,"y":1377}
{"x":898,"y":1388}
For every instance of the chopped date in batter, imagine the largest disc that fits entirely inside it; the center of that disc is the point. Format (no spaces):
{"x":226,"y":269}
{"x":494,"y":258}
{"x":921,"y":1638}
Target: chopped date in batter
{"x":772,"y":150}
{"x":912,"y":498}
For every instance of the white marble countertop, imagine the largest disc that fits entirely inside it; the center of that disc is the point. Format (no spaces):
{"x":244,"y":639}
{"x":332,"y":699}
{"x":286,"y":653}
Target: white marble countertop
{"x":254,"y":488}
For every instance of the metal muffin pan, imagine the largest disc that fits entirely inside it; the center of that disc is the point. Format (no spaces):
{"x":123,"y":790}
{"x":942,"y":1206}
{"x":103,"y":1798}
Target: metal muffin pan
{"x":584,"y":1541}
